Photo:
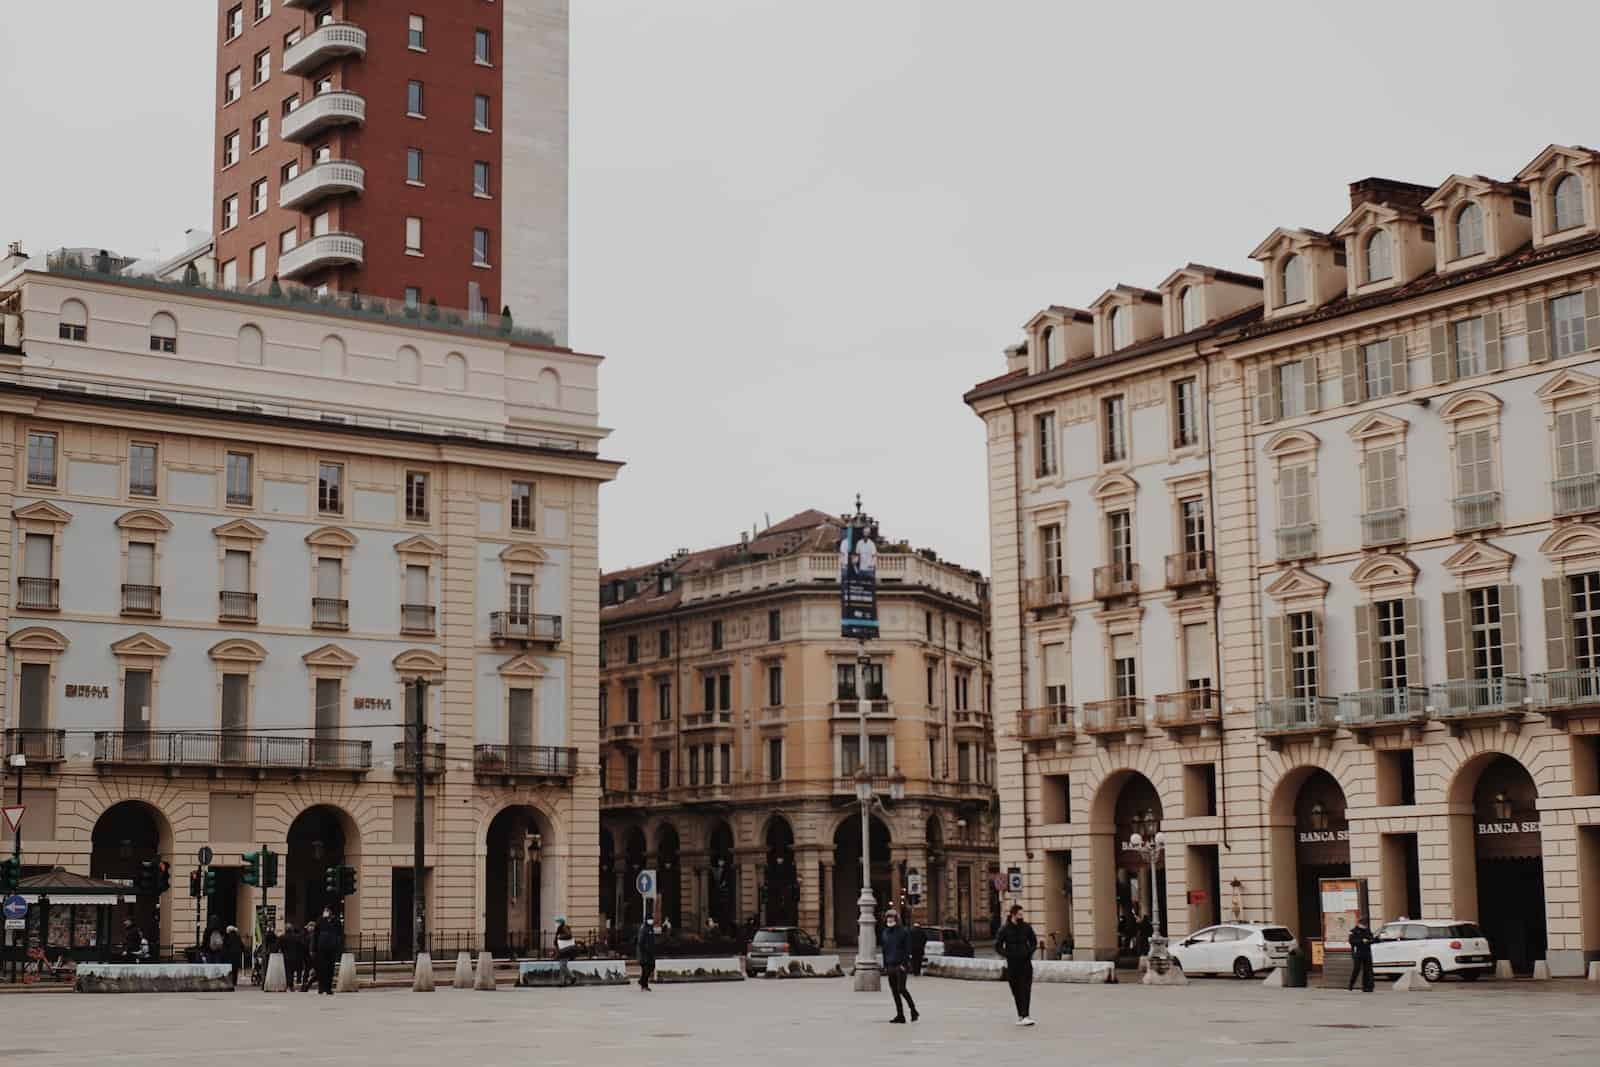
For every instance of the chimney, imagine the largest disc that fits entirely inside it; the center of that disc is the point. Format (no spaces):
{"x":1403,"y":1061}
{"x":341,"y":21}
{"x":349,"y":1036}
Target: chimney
{"x":1388,"y":191}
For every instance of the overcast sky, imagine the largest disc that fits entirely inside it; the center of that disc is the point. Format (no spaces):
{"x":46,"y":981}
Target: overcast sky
{"x":802,"y":229}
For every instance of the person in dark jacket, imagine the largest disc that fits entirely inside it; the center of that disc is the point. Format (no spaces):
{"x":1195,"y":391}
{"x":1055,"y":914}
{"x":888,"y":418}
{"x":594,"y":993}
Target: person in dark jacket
{"x":646,"y":948}
{"x":1016,"y":944}
{"x":233,"y":953}
{"x":330,"y":943}
{"x":1361,"y":955}
{"x":293,"y":947}
{"x":896,"y":962}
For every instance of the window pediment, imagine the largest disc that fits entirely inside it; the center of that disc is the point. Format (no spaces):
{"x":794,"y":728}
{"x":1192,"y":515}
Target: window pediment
{"x":1568,"y":385}
{"x":331,"y":537}
{"x":419,"y":545}
{"x":146,"y":520}
{"x":1297,"y":583}
{"x":1481,"y":562}
{"x":1459,"y":188}
{"x":1281,"y":241}
{"x":330,"y":656}
{"x":240,"y":530}
{"x":524,"y":555}
{"x":42,"y":511}
{"x":415,"y":661}
{"x":1387,"y":574}
{"x":38,"y":639}
{"x":1114,"y":487}
{"x":1568,"y":543}
{"x":1555,"y":159}
{"x":521,"y":667}
{"x":1378,"y":425}
{"x":140,"y":644}
{"x":1292,"y":443}
{"x":237,"y":650}
{"x":1470,"y":404}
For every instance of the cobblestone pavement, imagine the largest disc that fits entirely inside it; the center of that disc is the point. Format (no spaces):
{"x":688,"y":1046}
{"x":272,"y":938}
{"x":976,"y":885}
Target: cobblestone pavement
{"x":813,"y":1022}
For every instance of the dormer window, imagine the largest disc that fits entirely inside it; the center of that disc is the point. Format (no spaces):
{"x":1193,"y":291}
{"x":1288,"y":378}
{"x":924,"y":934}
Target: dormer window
{"x":1053,"y":343}
{"x":1189,"y":308}
{"x":1292,"y":280}
{"x":1121,"y":328}
{"x":1379,"y":256}
{"x":1469,"y":230}
{"x":1566,"y":203}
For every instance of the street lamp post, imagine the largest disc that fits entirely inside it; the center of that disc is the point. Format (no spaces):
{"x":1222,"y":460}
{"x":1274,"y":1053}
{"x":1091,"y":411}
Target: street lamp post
{"x":20,"y":762}
{"x":867,"y":977}
{"x":1153,"y":849}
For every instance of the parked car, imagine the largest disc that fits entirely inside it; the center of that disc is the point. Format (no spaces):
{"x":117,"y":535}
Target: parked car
{"x":1243,"y":950}
{"x":777,"y":941}
{"x":942,"y":941}
{"x":1436,"y":947}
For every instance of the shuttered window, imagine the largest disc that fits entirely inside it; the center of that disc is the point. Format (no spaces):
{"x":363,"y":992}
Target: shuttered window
{"x":38,"y":556}
{"x":1197,"y":655}
{"x":1383,"y":479}
{"x":1291,"y":389}
{"x":1050,"y":550}
{"x":235,"y":701}
{"x":327,"y":710}
{"x":35,"y":696}
{"x":141,"y":563}
{"x":1574,"y":443}
{"x":1584,"y":591}
{"x":1391,"y":644}
{"x":1120,"y":528}
{"x":1567,"y":333}
{"x":330,"y":577}
{"x":1475,"y":462}
{"x":1045,"y":435}
{"x":1294,"y":496}
{"x":236,"y":571}
{"x":1303,"y":654}
{"x":1468,"y":337}
{"x":136,"y":700}
{"x":416,"y":584}
{"x":1377,"y":369}
{"x":521,"y":716}
{"x":1487,"y":636}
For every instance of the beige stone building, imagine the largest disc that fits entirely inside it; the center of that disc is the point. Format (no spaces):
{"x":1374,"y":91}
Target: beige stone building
{"x":729,"y":746}
{"x":239,"y":529}
{"x":1401,"y":489}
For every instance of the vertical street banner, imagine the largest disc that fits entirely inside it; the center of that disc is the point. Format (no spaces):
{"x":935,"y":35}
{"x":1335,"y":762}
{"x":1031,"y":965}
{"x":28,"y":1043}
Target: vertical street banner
{"x":858,"y":583}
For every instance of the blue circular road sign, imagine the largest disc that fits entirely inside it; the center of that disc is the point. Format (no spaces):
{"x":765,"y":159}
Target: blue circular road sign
{"x":646,"y":883}
{"x":15,"y":908}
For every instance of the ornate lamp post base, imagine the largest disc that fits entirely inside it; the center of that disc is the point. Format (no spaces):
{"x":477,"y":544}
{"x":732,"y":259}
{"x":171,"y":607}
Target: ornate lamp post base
{"x":867,"y":978}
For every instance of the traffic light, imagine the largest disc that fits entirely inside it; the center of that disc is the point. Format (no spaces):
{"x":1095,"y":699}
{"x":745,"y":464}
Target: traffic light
{"x":330,"y":881}
{"x":210,"y":882}
{"x":251,"y":875}
{"x":10,"y":876}
{"x":269,"y":868}
{"x":195,"y":883}
{"x":347,"y":881}
{"x":146,"y":879}
{"x":163,"y":877}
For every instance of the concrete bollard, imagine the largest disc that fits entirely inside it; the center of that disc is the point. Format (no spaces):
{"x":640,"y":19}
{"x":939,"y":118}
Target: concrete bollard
{"x":1541,"y":970}
{"x":1411,"y":982}
{"x":1502,"y":969}
{"x":1594,"y":971}
{"x":1274,"y":979}
{"x":422,"y":980}
{"x":463,"y":978}
{"x":277,"y":974}
{"x":485,"y":976}
{"x":345,"y":981}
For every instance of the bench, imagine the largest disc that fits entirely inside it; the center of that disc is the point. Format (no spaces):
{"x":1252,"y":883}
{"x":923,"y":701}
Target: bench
{"x":804,"y":967}
{"x":556,"y":974}
{"x":722,"y":969}
{"x":153,"y":978}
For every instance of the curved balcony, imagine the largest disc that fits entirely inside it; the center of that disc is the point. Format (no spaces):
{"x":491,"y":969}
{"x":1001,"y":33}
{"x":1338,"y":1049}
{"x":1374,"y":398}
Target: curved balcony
{"x":323,"y":112}
{"x":329,"y":250}
{"x":335,"y":40}
{"x":322,"y":181}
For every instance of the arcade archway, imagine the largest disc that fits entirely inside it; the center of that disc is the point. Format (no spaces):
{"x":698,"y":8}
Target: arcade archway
{"x":126,"y":835}
{"x":1128,"y":895}
{"x":320,"y":837}
{"x":722,"y":880}
{"x":633,"y":857}
{"x":1310,"y":842}
{"x":780,"y":905}
{"x":1497,"y":857}
{"x":669,"y":875}
{"x":521,"y":889}
{"x":847,"y":874}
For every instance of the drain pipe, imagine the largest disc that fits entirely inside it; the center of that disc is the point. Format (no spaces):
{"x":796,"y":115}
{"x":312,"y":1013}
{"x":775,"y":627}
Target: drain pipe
{"x":1022,"y":618}
{"x":1216,"y":616}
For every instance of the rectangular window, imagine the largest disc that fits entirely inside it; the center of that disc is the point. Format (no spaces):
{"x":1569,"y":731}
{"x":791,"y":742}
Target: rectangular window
{"x":141,"y":469}
{"x":330,"y":578}
{"x":480,"y":112}
{"x":136,"y":706}
{"x":230,"y":149}
{"x":1195,"y":543}
{"x":416,"y":590}
{"x":413,"y":298}
{"x":633,"y":648}
{"x":327,"y":711}
{"x":725,"y":692}
{"x":414,"y":99}
{"x":1050,"y":553}
{"x":241,"y":480}
{"x":1197,"y":648}
{"x":1302,"y":655}
{"x":1391,"y":618}
{"x":774,"y":686}
{"x":694,"y":766}
{"x":263,"y":8}
{"x":233,"y":85}
{"x":633,"y":772}
{"x":414,"y":33}
{"x":142,"y":565}
{"x":664,"y":643}
{"x":322,"y":85}
{"x":932,"y":674}
{"x":519,"y":598}
{"x":1566,"y":325}
{"x":480,"y":179}
{"x":775,"y":759}
{"x":258,"y":262}
{"x":1475,"y":462}
{"x":716,"y":634}
{"x":288,"y":240}
{"x":1488,"y":651}
{"x":963,"y":762}
{"x":291,"y":104}
{"x":878,"y":755}
{"x":631,"y":693}
{"x":260,"y":132}
{"x":963,"y":690}
{"x":522,"y":505}
{"x":262,"y":66}
{"x":1584,"y":590}
{"x":1112,"y":417}
{"x":849,"y":755}
{"x":605,"y":697}
{"x":413,"y":235}
{"x":664,"y":769}
{"x":1574,"y":443}
{"x":1124,"y":668}
{"x":233,"y":24}
{"x":774,"y":626}
{"x":480,"y":47}
{"x":1294,"y":496}
{"x":230,"y":212}
{"x":1119,"y":540}
{"x":1383,"y":479}
{"x":1044,"y":431}
{"x":289,"y":172}
{"x":1470,"y":357}
{"x":38,"y":556}
{"x":41,"y":458}
{"x":480,"y":248}
{"x":330,"y":488}
{"x":230,"y":274}
{"x":417,"y":496}
{"x":1377,"y":369}
{"x":725,"y":754}
{"x":519,"y":711}
{"x":1185,"y":413}
{"x":1291,"y":379}
{"x":709,"y":687}
{"x":235,"y":571}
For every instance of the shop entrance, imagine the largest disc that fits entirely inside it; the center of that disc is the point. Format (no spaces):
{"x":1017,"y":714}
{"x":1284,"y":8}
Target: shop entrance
{"x":1310,"y":841}
{"x":1507,"y":855}
{"x":781,"y":891}
{"x":847,"y":875}
{"x":125,"y":836}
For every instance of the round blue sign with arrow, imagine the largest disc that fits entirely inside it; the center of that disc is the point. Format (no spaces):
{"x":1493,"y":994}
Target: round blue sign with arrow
{"x":646,"y":883}
{"x":15,"y":908}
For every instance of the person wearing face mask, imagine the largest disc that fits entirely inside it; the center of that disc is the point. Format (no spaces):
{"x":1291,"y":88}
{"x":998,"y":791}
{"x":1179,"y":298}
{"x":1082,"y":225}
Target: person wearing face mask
{"x":896,"y":963}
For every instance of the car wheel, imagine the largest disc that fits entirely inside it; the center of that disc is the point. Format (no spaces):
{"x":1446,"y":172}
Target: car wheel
{"x":1242,"y":968}
{"x":1432,"y":971}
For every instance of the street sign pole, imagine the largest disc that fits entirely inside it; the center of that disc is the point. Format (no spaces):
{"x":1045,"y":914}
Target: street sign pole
{"x":418,"y":859}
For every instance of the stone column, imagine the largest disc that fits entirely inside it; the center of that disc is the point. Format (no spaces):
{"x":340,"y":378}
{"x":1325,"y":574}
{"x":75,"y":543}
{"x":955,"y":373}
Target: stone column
{"x":758,"y":907}
{"x":825,"y":894}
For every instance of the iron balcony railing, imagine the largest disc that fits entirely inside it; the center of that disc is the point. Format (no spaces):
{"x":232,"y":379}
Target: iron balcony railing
{"x":1047,"y":592}
{"x":1285,"y":715}
{"x":41,"y":594}
{"x":1114,"y":716}
{"x":524,"y":626}
{"x":1297,"y":542}
{"x":1374,"y":707}
{"x":1116,"y":579}
{"x":1052,"y":720}
{"x":236,"y":607}
{"x":39,"y":746}
{"x":1190,"y":568}
{"x":330,"y":613}
{"x":1479,"y":696}
{"x":222,"y":748}
{"x":1385,"y":527}
{"x":1188,"y":707}
{"x":416,"y":618}
{"x":1480,"y":511}
{"x":542,"y":761}
{"x":1576,"y":495}
{"x":141,"y":600}
{"x":405,"y":757}
{"x":1564,"y":690}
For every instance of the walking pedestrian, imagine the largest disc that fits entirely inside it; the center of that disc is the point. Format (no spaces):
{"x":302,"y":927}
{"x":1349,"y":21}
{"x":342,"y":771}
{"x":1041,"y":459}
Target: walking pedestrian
{"x":1361,"y":955}
{"x":216,"y":942}
{"x":1016,"y":944}
{"x":646,"y":948}
{"x":308,"y":970}
{"x":896,"y":962}
{"x":330,"y":943}
{"x":294,"y":954}
{"x":233,"y":953}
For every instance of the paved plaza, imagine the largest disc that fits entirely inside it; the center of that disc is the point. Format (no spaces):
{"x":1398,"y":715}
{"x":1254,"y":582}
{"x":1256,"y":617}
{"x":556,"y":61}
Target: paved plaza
{"x":812,"y":1022}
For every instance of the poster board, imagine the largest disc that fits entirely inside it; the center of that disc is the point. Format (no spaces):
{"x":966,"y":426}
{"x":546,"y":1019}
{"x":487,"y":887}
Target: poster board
{"x":1343,"y":902}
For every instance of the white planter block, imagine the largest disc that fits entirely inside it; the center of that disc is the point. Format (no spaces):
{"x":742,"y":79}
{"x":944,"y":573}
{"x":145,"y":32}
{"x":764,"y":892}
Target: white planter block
{"x":277,"y":974}
{"x":154,"y":978}
{"x":1541,"y":970}
{"x":972,"y":970}
{"x":484,"y":979}
{"x":729,"y":969}
{"x":1085,"y":972}
{"x":804,"y":967}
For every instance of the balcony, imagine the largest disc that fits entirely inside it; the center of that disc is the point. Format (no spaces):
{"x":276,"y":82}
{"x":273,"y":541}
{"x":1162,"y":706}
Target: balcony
{"x":1117,"y":716}
{"x":330,"y":614}
{"x":416,"y":618}
{"x":706,"y":792}
{"x":141,"y":600}
{"x":320,"y":253}
{"x":335,"y":178}
{"x":707,"y":720}
{"x":849,"y":707}
{"x":1480,"y":511}
{"x":1460,"y":702}
{"x":1577,"y":495}
{"x":1047,"y":592}
{"x":1188,"y":569}
{"x":405,"y":758}
{"x":623,"y":731}
{"x":1369,"y":710}
{"x":1116,"y":580}
{"x":236,"y":607}
{"x":845,"y":784}
{"x":1297,"y":542}
{"x":1046,"y":723}
{"x":1188,"y":709}
{"x":1563,"y":695}
{"x":523,"y":626}
{"x":39,"y":594}
{"x":41,"y":747}
{"x":1291,"y":717}
{"x":971,"y":722}
{"x":323,"y":112}
{"x":221,"y":749}
{"x":330,"y":41}
{"x":1386,"y":527}
{"x":525,"y":761}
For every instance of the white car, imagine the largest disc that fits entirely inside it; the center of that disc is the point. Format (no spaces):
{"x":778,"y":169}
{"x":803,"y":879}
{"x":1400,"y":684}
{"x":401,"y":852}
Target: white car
{"x":1435,"y":947}
{"x":1243,"y":950}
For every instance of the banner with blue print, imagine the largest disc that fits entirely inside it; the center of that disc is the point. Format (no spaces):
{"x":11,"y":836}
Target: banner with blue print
{"x":858,"y":583}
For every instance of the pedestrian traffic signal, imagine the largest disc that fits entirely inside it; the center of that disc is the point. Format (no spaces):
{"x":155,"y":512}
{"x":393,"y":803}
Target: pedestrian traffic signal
{"x":10,"y":876}
{"x":195,"y":883}
{"x":269,"y":868}
{"x":163,"y":877}
{"x":347,"y":881}
{"x":251,"y":874}
{"x":210,"y":882}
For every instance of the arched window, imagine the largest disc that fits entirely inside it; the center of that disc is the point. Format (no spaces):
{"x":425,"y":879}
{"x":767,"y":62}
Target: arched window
{"x":1047,"y":344}
{"x":74,"y":321}
{"x":333,"y":356}
{"x":1121,"y":333}
{"x":1189,"y":308}
{"x":408,"y":365}
{"x":455,"y":372}
{"x":549,"y":388}
{"x":1566,"y":199}
{"x":163,"y":333}
{"x":1469,"y":229}
{"x":1292,"y":277}
{"x":250,"y":345}
{"x":1379,"y":256}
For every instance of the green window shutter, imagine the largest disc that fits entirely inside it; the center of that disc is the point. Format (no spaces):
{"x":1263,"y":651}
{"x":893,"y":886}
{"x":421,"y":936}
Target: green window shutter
{"x":1414,"y":671}
{"x":1266,"y":398}
{"x":1308,"y":367}
{"x":1455,"y":639}
{"x":1491,"y":341}
{"x":1538,"y":348}
{"x":1557,"y":626}
{"x":1439,"y":354}
{"x":1510,"y":630}
{"x":1350,"y":377}
{"x":1364,"y":664}
{"x":1276,"y":687}
{"x":1399,"y":367}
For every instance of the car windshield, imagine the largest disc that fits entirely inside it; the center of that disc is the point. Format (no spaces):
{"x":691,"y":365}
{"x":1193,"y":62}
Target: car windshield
{"x":1277,"y":933}
{"x":1465,"y":930}
{"x":771,"y":937}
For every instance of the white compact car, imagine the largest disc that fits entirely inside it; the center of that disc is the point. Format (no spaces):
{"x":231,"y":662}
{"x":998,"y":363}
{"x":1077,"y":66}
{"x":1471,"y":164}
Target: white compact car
{"x":1435,"y":947}
{"x":1240,"y":949}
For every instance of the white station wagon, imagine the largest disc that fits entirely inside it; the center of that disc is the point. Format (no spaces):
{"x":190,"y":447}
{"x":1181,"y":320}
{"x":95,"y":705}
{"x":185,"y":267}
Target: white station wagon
{"x":1240,"y":949}
{"x":1435,"y":947}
